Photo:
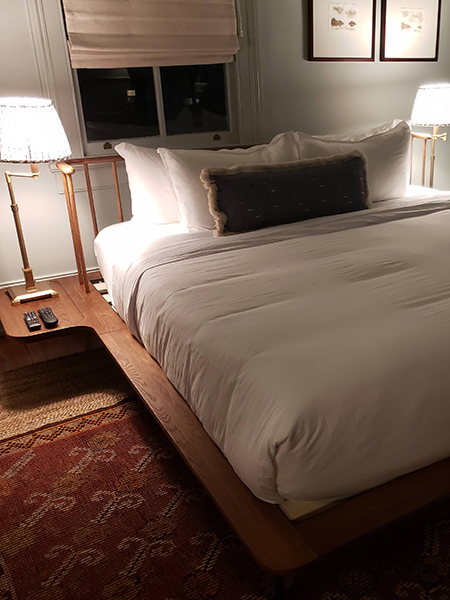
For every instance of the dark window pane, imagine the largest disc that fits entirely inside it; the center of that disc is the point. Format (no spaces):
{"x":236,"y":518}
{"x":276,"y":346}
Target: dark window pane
{"x":118,"y":103}
{"x":194,"y":98}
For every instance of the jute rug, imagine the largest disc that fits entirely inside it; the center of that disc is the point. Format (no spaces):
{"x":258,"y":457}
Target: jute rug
{"x":57,"y":390}
{"x":102,"y":507}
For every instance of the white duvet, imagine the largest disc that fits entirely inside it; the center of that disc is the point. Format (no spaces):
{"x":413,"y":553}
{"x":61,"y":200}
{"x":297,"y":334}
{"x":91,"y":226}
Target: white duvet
{"x":316,"y":354}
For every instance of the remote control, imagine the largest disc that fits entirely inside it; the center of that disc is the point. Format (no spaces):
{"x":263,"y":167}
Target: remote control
{"x":31,"y":320}
{"x":48,"y":318}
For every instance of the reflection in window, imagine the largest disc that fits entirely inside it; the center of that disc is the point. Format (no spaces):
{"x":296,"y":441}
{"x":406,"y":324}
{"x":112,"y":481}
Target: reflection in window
{"x":194,"y":99}
{"x":118,"y":103}
{"x":122,"y":103}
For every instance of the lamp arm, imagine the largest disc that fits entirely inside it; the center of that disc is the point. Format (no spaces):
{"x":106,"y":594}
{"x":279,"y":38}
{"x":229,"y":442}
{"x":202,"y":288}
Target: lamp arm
{"x":34,"y":172}
{"x":30,"y":283}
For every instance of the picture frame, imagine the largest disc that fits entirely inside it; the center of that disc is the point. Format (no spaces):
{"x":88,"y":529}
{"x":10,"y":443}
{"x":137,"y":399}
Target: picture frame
{"x":342,"y":30}
{"x":410,"y":30}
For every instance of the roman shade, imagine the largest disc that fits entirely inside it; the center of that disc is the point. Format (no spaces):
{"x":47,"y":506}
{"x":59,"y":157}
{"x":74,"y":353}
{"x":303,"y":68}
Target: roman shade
{"x":147,"y":33}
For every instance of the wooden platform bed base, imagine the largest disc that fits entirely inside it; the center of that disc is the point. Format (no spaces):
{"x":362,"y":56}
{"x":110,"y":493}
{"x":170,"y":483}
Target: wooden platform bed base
{"x":276,"y":544}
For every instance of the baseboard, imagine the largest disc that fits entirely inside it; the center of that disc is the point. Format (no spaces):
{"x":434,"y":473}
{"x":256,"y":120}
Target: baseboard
{"x":5,"y":284}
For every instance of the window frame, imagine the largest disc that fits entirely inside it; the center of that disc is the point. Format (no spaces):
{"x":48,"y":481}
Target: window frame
{"x":193,"y":140}
{"x":57,"y":82}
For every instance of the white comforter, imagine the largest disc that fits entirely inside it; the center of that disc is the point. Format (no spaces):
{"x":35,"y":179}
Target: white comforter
{"x":316,"y":354}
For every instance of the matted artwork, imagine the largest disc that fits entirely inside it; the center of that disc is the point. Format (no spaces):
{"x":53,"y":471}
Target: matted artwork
{"x":410,"y":30}
{"x":341,"y":30}
{"x":343,"y":17}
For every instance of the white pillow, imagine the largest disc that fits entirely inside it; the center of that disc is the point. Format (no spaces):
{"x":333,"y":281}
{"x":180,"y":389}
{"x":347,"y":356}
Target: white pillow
{"x":387,"y":152}
{"x":360,"y":135}
{"x":152,"y":197}
{"x":185,"y":166}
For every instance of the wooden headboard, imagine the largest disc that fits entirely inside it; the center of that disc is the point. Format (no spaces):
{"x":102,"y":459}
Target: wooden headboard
{"x":67,"y":169}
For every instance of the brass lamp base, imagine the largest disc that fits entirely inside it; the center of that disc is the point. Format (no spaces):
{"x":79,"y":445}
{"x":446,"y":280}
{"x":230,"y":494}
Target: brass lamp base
{"x":19,"y":293}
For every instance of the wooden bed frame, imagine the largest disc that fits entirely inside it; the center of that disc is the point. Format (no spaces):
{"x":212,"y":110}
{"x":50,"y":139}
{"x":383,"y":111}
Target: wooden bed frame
{"x":278,"y":545}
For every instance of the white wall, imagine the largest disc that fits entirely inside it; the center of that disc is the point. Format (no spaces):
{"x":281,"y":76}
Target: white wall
{"x":296,"y":94}
{"x":42,"y":202}
{"x":19,"y":76}
{"x":332,"y":97}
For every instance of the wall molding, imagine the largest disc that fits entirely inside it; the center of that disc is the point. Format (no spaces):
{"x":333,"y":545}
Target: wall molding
{"x":46,"y":278}
{"x":254,"y":70}
{"x":93,"y":170}
{"x":248,"y":109}
{"x":47,"y":32}
{"x":83,"y":189}
{"x":41,"y":44}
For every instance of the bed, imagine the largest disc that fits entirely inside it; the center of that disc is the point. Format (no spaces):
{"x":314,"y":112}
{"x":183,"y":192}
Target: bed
{"x":311,"y":351}
{"x":242,"y":317}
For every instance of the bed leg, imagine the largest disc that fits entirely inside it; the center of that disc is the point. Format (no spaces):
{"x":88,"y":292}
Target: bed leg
{"x":278,"y":586}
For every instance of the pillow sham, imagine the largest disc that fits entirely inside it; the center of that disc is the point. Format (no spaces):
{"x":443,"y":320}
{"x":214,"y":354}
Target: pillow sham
{"x":360,"y":135}
{"x":387,"y":155}
{"x":184,"y":168}
{"x":152,"y":197}
{"x":245,"y":198}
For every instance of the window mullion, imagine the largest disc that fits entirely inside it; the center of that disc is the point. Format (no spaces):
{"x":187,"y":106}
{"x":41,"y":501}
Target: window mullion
{"x":231,"y":93}
{"x":159,"y":102}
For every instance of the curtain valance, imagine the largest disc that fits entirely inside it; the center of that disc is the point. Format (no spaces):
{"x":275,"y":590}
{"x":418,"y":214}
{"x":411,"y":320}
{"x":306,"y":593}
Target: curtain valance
{"x":144,"y":33}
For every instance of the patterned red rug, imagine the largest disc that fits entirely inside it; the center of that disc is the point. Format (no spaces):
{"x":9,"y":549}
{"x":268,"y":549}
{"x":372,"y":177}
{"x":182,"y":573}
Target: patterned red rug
{"x":102,"y":507}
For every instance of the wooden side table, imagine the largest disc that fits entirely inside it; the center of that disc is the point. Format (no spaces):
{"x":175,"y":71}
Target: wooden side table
{"x":73,"y":308}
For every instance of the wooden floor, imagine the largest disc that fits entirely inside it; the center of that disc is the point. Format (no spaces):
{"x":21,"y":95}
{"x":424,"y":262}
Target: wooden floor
{"x":15,"y":354}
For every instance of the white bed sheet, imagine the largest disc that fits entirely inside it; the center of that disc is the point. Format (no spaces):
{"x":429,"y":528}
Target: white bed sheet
{"x":119,"y":244}
{"x":315,"y":354}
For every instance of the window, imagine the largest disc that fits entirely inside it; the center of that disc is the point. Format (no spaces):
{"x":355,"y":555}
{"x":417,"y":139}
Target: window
{"x":126,"y":103}
{"x":118,"y":103}
{"x":194,"y":98}
{"x":239,"y":104}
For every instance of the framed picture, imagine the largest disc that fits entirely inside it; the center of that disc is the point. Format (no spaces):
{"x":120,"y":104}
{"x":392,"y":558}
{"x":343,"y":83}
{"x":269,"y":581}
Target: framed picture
{"x":410,"y":30}
{"x":341,"y":31}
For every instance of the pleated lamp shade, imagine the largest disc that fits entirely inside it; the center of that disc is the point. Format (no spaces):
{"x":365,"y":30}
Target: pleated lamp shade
{"x":31,"y":132}
{"x":432,"y":105}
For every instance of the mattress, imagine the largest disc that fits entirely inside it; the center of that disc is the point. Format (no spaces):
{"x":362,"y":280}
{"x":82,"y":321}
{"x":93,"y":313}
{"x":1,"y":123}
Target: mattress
{"x":119,"y":244}
{"x":315,"y":354}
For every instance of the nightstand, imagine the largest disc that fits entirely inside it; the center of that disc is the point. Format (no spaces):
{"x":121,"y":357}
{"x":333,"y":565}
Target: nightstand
{"x":73,"y":308}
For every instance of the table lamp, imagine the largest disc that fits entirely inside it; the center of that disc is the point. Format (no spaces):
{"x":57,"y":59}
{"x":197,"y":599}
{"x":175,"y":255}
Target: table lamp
{"x":432,"y":109}
{"x":30,"y":132}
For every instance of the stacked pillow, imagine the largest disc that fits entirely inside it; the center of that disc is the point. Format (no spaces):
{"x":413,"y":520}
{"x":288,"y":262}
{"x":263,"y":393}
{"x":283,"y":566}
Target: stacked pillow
{"x":167,"y":188}
{"x":165,"y":184}
{"x":184,"y":168}
{"x":361,"y":135}
{"x":387,"y":149}
{"x":152,"y":197}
